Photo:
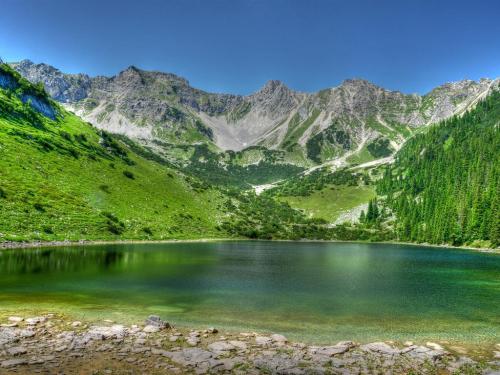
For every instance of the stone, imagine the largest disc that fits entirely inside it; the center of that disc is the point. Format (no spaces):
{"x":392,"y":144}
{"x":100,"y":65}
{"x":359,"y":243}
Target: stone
{"x":330,"y":351}
{"x":279,"y":338}
{"x":380,"y":347}
{"x":9,"y":325}
{"x":263,"y":340}
{"x":41,"y":359}
{"x":151,"y":329}
{"x":116,"y":331}
{"x":434,"y":346}
{"x":240,"y":345}
{"x":76,"y":324}
{"x":173,"y":338}
{"x":13,"y":362}
{"x":220,"y":346}
{"x":26,"y":333}
{"x":15,"y":319}
{"x":423,"y":352}
{"x":408,"y":343}
{"x":193,"y":341}
{"x":17,"y":350}
{"x":8,"y":335}
{"x":155,"y":320}
{"x":36,"y":320}
{"x":212,"y":330}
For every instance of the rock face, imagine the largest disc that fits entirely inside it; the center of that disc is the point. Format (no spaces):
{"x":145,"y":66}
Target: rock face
{"x":62,"y":87}
{"x":324,"y":125}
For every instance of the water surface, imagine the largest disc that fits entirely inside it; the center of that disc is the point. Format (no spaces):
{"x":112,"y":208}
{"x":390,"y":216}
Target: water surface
{"x":316,"y":292}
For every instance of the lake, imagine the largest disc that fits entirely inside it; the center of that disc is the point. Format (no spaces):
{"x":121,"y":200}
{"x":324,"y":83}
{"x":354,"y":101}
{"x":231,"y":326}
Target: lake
{"x":314,"y":292}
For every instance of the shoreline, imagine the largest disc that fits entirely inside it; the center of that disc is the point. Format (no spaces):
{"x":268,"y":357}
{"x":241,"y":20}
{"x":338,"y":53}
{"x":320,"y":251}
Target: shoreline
{"x":39,"y":244}
{"x":51,"y":343}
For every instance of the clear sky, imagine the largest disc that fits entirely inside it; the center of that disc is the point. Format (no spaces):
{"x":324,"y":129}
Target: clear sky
{"x":235,"y":45}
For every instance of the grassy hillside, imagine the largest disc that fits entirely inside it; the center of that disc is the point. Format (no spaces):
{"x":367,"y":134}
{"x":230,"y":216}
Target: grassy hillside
{"x":60,"y":178}
{"x":444,"y":185}
{"x":331,"y":201}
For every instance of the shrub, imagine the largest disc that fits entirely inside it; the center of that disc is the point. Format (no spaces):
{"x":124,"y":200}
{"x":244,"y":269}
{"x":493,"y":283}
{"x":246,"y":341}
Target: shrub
{"x":129,"y":174}
{"x":147,"y":230}
{"x":48,"y":230}
{"x":3,"y":194}
{"x":105,"y":188}
{"x":66,"y":135}
{"x":39,"y":207}
{"x":115,"y":228}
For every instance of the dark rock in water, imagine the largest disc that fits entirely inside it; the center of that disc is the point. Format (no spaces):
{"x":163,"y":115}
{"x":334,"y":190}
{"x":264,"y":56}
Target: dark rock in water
{"x":155,"y":320}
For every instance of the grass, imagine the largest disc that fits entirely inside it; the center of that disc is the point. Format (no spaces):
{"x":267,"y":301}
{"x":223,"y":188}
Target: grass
{"x":363,"y":156}
{"x":330,"y":202}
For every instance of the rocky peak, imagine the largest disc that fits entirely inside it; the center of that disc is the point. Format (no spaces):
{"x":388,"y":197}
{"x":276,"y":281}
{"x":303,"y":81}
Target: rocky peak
{"x":60,"y":86}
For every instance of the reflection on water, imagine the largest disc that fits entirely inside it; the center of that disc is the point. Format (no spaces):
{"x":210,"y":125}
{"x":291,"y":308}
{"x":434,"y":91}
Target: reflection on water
{"x":312,"y":291}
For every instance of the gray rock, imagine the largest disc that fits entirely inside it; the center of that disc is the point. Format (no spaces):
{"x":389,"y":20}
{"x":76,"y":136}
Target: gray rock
{"x":380,"y":347}
{"x":240,"y":345}
{"x":423,"y":352}
{"x":17,"y":350}
{"x":8,"y":335}
{"x":220,"y":346}
{"x":13,"y":362}
{"x":151,"y":329}
{"x":193,"y":341}
{"x":36,"y":320}
{"x":116,"y":331}
{"x":329,"y":351}
{"x":154,"y":320}
{"x":263,"y":340}
{"x":279,"y":338}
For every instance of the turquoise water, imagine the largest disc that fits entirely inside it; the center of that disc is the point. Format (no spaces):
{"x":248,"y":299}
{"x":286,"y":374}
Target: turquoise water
{"x":316,"y":292}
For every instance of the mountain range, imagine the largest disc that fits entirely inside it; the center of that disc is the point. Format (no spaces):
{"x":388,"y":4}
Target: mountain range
{"x":150,"y":160}
{"x":356,"y":121}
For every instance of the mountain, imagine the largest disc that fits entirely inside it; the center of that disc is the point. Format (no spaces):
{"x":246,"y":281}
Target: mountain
{"x":357,"y":120}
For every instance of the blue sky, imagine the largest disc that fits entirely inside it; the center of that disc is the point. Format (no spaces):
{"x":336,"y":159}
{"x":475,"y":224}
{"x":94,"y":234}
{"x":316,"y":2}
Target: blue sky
{"x":236,"y":46}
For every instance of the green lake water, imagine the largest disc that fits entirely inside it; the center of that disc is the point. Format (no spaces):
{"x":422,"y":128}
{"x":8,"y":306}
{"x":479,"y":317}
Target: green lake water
{"x":315,"y":292}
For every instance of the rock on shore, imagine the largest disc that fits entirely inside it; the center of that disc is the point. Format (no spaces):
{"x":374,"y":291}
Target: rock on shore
{"x":52,"y":344}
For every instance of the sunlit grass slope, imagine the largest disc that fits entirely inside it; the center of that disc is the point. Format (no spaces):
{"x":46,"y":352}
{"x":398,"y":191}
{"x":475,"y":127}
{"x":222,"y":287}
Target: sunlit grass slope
{"x":331,"y":201}
{"x":63,"y":179}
